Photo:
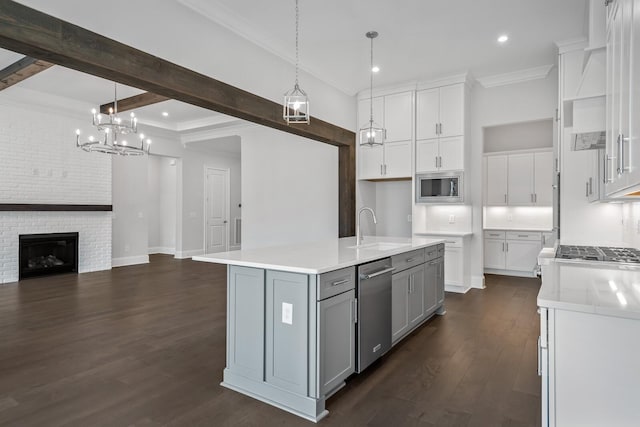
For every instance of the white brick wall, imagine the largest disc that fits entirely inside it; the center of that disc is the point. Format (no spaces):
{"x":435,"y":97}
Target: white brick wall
{"x":94,"y":237}
{"x":39,"y":163}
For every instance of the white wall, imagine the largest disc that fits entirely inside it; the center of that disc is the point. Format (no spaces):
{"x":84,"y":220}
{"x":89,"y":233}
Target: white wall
{"x":428,"y":218}
{"x":519,"y":136}
{"x":289,"y":189}
{"x":162,"y":204}
{"x":394,"y":202}
{"x":528,"y":101}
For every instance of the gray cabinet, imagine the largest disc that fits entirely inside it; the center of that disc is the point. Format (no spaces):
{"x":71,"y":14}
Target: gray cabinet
{"x":287,"y":296}
{"x":407,"y":301}
{"x":416,"y":295}
{"x":439,"y":281}
{"x":336,"y":328}
{"x":245,"y":329}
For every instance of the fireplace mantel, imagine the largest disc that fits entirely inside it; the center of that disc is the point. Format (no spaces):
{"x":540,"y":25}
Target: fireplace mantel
{"x":34,"y":207}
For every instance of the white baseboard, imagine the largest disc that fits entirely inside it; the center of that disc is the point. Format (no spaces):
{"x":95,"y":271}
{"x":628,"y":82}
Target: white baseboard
{"x":162,"y":250}
{"x":189,"y":254}
{"x":459,"y":289}
{"x":510,"y":272}
{"x":132,"y":260}
{"x":477,"y":282}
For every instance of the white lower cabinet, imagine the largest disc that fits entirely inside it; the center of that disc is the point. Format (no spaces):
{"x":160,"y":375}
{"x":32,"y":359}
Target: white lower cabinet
{"x":456,"y":272}
{"x":453,"y":266}
{"x":512,"y":252}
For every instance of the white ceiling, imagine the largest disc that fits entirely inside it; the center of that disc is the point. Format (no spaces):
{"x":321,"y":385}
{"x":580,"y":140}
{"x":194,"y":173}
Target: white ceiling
{"x":419,"y":40}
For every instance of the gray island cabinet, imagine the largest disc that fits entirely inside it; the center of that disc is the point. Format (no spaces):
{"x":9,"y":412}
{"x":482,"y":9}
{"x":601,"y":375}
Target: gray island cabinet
{"x":292,"y":321}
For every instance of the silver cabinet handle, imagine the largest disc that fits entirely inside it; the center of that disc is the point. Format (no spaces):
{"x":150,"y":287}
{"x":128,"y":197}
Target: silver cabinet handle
{"x":385,"y":168}
{"x":505,"y":198}
{"x":591,"y":185}
{"x":440,"y":128}
{"x":377,"y":273}
{"x":539,"y":358}
{"x":436,"y":158}
{"x":436,"y":128}
{"x":523,"y":235}
{"x":623,"y":139}
{"x":535,"y":197}
{"x":607,"y":174}
{"x":507,"y":243}
{"x":544,"y":240}
{"x":381,"y":170}
{"x":502,"y":246}
{"x":412,"y":259}
{"x":340,"y":282}
{"x":586,"y":192}
{"x":531,"y":197}
{"x":620,"y":155}
{"x":355,"y":310}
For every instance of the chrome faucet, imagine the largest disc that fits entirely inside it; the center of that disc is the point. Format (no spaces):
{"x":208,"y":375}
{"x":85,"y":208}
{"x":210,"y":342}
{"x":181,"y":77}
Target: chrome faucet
{"x":358,"y":231}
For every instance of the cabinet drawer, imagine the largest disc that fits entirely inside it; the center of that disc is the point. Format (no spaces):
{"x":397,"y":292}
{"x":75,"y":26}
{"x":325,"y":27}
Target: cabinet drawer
{"x":407,"y":260}
{"x":336,"y":282}
{"x":524,"y":235}
{"x":432,"y":252}
{"x":491,"y":234}
{"x":453,"y":242}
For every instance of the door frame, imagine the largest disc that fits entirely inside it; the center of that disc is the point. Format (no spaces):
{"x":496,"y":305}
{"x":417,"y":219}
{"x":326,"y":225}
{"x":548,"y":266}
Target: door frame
{"x":227,"y":173}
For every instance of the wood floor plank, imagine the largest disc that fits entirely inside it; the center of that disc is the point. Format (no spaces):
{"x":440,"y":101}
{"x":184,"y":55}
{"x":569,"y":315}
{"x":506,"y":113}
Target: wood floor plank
{"x":145,"y":346}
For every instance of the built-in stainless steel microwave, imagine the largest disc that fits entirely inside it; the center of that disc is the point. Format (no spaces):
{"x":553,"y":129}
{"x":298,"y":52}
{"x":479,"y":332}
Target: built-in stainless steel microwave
{"x":439,"y":187}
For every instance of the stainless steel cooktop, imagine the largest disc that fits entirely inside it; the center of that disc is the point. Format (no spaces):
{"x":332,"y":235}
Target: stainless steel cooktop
{"x":599,"y":253}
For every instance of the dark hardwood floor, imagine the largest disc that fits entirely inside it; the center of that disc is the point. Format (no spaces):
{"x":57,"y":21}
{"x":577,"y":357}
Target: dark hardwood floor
{"x":145,"y":346}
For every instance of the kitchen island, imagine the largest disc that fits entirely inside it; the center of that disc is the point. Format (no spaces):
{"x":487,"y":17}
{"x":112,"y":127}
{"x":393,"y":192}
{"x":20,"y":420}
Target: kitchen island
{"x":589,"y":343}
{"x":295,"y":314}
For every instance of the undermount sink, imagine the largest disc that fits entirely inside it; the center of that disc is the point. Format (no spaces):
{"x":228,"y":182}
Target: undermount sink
{"x":380,"y":246}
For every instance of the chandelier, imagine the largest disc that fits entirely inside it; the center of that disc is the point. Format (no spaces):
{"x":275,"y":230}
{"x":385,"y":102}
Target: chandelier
{"x":371,"y":134}
{"x":113,"y":131}
{"x":296,"y":103}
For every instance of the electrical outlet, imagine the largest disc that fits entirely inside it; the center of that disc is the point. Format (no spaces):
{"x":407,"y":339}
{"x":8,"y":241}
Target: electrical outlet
{"x":509,"y":217}
{"x":127,"y":248}
{"x":287,"y":313}
{"x":452,"y":219}
{"x":140,"y":215}
{"x":409,"y":218}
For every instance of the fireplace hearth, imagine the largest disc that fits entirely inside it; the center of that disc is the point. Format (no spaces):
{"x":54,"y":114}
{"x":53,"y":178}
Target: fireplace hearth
{"x":47,"y":254}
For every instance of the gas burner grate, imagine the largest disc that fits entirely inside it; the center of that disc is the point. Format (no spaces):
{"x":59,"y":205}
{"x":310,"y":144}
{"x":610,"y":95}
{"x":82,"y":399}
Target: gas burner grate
{"x":599,"y":253}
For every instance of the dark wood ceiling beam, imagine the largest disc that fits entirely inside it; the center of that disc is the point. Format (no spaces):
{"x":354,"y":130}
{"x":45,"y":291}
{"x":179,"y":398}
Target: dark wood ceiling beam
{"x":42,"y":36}
{"x":133,"y":102}
{"x":21,"y":70}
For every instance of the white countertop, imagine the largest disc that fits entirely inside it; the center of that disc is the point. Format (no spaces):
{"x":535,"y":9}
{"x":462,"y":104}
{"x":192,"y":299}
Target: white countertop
{"x":610,"y":289}
{"x":318,"y":257}
{"x":445,"y":233}
{"x":518,"y":229}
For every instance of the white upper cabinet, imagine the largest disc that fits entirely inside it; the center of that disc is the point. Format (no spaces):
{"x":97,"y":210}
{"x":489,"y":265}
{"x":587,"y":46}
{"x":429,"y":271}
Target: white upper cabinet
{"x":622,"y":169}
{"x":452,"y":110}
{"x":393,"y":158}
{"x":398,"y":117}
{"x":440,"y":129}
{"x":519,"y":179}
{"x":427,"y":113}
{"x":496,"y":181}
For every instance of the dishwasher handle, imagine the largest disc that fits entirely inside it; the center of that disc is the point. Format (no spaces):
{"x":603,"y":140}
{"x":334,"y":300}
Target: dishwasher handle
{"x":377,"y":273}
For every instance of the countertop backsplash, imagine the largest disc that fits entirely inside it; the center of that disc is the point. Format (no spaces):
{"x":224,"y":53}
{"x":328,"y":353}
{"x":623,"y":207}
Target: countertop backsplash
{"x":447,"y":218}
{"x":518,"y":217}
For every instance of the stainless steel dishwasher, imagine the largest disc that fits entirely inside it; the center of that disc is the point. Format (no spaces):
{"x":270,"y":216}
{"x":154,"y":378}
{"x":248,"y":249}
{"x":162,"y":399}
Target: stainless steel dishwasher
{"x":374,"y":312}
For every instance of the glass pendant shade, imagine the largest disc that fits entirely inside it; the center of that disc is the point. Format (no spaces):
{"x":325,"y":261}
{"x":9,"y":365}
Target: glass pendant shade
{"x":372,"y":134}
{"x":296,"y":106}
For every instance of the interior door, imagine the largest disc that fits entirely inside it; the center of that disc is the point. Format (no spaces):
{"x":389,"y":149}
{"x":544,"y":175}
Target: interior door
{"x":217,"y":210}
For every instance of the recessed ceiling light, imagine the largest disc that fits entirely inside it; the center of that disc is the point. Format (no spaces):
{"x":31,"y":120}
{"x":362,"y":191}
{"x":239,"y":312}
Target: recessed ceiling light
{"x":503,"y":38}
{"x":165,"y":114}
{"x":375,"y":69}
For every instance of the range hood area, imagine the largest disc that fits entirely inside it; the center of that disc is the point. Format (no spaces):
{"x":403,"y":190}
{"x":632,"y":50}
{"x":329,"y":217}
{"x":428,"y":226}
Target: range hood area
{"x":589,"y":141}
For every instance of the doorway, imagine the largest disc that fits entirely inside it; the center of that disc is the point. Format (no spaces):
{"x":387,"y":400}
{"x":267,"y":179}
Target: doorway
{"x":217,"y":204}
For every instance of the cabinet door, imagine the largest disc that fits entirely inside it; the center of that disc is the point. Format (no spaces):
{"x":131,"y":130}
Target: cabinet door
{"x":431,"y":277}
{"x":416,"y":295}
{"x":427,"y":155}
{"x":336,"y":328}
{"x":593,"y":181}
{"x":543,"y":178}
{"x":245,"y":333}
{"x":634,"y":125}
{"x":427,"y":113}
{"x":453,"y":267}
{"x":452,"y":110}
{"x":371,"y":161}
{"x":399,"y":305}
{"x":520,"y":179}
{"x":496,"y":181}
{"x":452,"y":153}
{"x":364,"y":111}
{"x":522,"y":255}
{"x":287,"y":331}
{"x":398,"y":117}
{"x":397,"y":159}
{"x":494,"y":255}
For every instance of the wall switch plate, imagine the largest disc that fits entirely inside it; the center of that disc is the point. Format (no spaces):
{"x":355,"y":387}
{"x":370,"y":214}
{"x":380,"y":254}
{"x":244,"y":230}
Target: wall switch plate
{"x":509,"y":217}
{"x":140,"y":215}
{"x":409,"y":218}
{"x":638,"y":227}
{"x":452,"y":219}
{"x":287,"y":313}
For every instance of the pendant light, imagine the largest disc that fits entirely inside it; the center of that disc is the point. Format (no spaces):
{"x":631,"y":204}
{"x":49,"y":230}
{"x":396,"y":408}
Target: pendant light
{"x":371,"y":134}
{"x":296,"y":103}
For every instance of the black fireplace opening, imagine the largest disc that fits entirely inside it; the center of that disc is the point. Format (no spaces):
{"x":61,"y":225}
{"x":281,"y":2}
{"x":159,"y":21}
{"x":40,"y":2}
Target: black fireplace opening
{"x":47,"y":254}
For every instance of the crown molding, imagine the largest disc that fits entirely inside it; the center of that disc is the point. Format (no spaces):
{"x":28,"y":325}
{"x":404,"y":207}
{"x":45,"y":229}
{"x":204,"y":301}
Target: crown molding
{"x":575,"y":43}
{"x":223,"y":16}
{"x":417,"y":85}
{"x":514,"y":77}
